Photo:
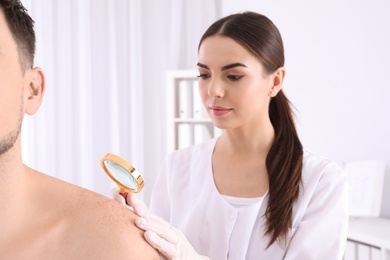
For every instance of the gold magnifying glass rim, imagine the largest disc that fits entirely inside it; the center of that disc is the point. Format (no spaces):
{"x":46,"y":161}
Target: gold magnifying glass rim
{"x":128,"y":167}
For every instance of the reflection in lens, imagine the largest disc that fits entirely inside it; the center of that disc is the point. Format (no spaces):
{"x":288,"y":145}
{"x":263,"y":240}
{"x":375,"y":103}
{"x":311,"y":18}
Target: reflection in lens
{"x":120,"y":174}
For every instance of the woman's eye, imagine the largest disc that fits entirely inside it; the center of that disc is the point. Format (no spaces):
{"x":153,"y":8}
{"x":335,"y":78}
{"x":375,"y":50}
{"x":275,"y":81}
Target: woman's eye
{"x":203,"y":76}
{"x":234,"y":77}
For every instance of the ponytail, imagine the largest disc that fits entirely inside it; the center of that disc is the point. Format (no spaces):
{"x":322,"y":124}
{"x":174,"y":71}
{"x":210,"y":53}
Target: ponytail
{"x":284,"y":166}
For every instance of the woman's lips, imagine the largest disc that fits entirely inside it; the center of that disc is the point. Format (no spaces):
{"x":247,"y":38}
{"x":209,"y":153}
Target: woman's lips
{"x":219,"y":111}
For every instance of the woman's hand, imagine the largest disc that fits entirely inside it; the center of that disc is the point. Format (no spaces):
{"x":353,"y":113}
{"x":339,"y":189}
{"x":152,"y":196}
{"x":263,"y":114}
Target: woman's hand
{"x":169,"y":241}
{"x":120,"y":197}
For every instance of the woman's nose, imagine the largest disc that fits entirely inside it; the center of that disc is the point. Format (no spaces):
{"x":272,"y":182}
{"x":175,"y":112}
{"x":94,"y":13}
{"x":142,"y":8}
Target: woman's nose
{"x":216,"y":89}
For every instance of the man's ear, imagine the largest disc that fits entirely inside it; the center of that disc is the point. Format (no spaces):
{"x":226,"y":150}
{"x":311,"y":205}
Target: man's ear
{"x":277,"y":82}
{"x":35,"y":87}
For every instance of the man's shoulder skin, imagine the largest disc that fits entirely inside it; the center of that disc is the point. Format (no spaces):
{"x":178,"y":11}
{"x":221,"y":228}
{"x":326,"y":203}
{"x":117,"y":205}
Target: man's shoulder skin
{"x":77,"y":223}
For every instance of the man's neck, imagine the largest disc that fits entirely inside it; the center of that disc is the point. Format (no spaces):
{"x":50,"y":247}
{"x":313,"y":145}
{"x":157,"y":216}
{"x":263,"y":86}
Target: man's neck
{"x":11,"y":165}
{"x":12,"y":176}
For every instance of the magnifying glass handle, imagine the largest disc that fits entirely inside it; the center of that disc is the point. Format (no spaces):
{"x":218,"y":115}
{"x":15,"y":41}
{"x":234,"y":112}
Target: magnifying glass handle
{"x":124,"y":194}
{"x":122,"y":190}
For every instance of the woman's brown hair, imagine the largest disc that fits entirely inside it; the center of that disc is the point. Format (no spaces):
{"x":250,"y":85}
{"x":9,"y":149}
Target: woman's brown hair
{"x":261,"y":37}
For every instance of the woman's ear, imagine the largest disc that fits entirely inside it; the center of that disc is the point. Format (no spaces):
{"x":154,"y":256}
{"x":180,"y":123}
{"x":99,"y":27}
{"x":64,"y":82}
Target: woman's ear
{"x":35,"y":87}
{"x":278,"y":79}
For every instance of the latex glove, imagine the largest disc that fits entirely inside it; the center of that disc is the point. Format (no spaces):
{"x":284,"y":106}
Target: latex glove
{"x":120,"y":198}
{"x":169,"y":241}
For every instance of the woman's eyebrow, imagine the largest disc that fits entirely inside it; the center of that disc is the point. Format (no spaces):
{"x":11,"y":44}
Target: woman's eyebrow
{"x":202,"y":66}
{"x":226,"y":67}
{"x":233,"y":65}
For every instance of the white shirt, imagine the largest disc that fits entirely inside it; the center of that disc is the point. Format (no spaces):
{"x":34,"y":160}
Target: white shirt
{"x":243,"y":226}
{"x":185,"y":195}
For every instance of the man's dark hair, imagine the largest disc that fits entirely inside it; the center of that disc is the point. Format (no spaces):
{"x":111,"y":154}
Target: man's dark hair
{"x":21,"y":26}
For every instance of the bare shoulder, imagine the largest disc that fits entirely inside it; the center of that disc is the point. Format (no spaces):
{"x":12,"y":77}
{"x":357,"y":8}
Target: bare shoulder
{"x":94,"y":226}
{"x":108,"y":229}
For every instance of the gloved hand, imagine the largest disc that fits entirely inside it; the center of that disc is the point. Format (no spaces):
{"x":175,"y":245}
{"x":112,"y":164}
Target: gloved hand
{"x":120,"y":198}
{"x":169,"y":241}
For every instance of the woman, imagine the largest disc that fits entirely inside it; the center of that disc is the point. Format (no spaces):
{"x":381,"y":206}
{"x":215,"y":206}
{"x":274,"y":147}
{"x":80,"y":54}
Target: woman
{"x":254,"y":192}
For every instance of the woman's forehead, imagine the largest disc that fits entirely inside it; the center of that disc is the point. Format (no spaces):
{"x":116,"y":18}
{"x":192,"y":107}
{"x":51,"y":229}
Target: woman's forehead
{"x":220,"y":51}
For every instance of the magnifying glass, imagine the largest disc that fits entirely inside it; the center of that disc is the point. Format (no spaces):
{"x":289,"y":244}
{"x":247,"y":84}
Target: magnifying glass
{"x":122,"y":173}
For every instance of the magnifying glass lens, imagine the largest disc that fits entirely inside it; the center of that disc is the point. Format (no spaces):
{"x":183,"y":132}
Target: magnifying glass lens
{"x":120,"y":174}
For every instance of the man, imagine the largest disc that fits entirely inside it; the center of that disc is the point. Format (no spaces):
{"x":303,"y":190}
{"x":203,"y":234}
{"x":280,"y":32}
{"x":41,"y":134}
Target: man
{"x":42,"y":217}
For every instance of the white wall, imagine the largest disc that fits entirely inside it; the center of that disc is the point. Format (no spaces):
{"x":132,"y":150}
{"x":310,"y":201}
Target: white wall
{"x":338,"y":74}
{"x":106,"y":64}
{"x":337,"y":60}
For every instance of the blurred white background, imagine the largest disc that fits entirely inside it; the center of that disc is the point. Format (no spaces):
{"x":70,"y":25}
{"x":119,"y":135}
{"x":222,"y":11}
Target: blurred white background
{"x":105,"y":63}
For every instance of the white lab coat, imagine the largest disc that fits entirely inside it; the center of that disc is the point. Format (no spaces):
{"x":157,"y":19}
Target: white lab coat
{"x":185,"y":195}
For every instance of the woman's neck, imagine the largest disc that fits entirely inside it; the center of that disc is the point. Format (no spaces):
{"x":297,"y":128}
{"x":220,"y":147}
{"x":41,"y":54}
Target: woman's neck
{"x":248,"y":141}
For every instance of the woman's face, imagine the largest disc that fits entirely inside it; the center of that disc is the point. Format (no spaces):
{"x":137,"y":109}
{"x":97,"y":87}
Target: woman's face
{"x":233,"y":85}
